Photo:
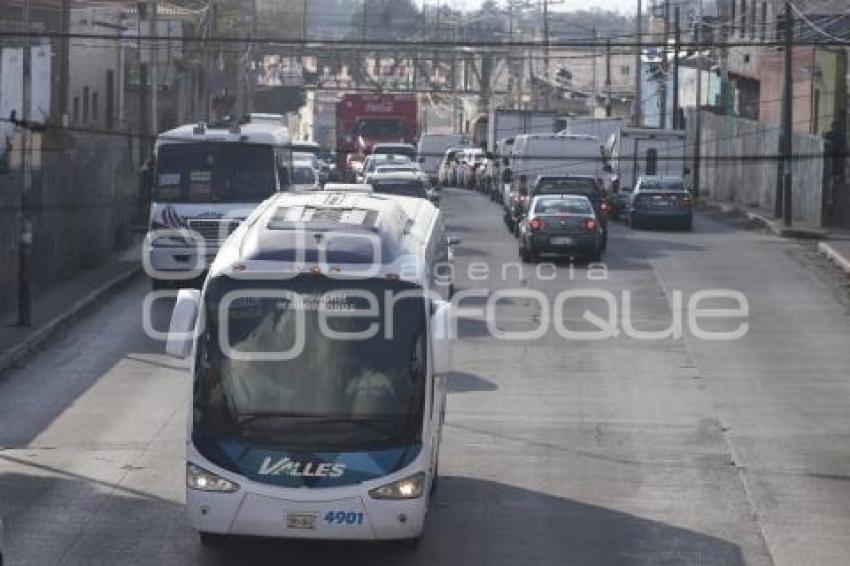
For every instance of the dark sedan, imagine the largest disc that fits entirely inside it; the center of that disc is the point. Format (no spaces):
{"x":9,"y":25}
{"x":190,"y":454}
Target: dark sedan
{"x":579,"y":185}
{"x":660,"y":201}
{"x":565,"y":225}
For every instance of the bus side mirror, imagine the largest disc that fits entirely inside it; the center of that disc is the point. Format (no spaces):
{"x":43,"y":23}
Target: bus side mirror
{"x":441,"y":336}
{"x":181,"y":331}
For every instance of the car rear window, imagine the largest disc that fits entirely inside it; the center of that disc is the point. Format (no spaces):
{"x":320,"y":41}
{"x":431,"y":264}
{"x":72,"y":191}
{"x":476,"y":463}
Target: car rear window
{"x":583,"y":187}
{"x":562,"y":206}
{"x":400,"y":188}
{"x":663,"y":186}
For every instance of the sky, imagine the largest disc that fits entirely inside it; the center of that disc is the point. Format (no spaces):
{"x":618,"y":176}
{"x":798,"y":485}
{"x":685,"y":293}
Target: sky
{"x":618,"y":5}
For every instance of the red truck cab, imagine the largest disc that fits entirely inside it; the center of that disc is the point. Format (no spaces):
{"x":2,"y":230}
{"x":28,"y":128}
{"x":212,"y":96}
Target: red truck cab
{"x":364,"y":120}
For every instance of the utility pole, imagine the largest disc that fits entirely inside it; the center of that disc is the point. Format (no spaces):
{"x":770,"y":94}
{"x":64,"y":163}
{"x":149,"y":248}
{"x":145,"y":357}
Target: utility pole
{"x":785,"y":176}
{"x":664,"y":81}
{"x":608,"y":102}
{"x":636,"y":107}
{"x":677,"y":40}
{"x":25,"y":249}
{"x":595,"y":41}
{"x":154,"y":32}
{"x":726,"y":106}
{"x":698,"y":119}
{"x":365,"y":17}
{"x":304,"y":9}
{"x":546,"y":40}
{"x":64,"y":62}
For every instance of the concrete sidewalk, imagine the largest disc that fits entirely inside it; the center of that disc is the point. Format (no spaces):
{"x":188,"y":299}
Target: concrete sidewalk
{"x":766,"y":220}
{"x":62,"y":303}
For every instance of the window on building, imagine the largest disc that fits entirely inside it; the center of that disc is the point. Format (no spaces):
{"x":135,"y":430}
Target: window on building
{"x":753,"y":20}
{"x":652,"y":161}
{"x":76,"y":109}
{"x":86,"y":104}
{"x":625,"y":70}
{"x":764,"y":21}
{"x":733,"y":15}
{"x":743,"y":27}
{"x":94,"y":108}
{"x":816,"y":112}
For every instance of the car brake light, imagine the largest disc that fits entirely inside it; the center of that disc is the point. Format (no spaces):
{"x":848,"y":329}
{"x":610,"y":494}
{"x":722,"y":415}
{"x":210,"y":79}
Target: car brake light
{"x":536,"y":224}
{"x":588,"y":225}
{"x":686,"y":202}
{"x":604,"y":206}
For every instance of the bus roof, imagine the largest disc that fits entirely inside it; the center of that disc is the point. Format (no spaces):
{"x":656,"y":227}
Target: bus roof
{"x":259,"y":133}
{"x":387,"y":232}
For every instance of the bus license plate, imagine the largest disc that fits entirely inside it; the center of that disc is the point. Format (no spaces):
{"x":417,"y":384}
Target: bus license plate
{"x":561,"y":241}
{"x":303,"y":521}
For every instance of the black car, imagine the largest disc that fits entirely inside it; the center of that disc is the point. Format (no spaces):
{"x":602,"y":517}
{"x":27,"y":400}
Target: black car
{"x":579,"y":185}
{"x":660,"y":201}
{"x":564,"y":225}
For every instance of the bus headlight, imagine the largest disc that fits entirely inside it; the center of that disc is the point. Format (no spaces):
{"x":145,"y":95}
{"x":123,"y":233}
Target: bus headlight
{"x":407,"y":488}
{"x":202,"y":480}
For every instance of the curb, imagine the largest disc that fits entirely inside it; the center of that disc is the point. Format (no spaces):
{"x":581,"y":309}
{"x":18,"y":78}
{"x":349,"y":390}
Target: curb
{"x":833,"y":255}
{"x":777,"y":228}
{"x":18,"y":353}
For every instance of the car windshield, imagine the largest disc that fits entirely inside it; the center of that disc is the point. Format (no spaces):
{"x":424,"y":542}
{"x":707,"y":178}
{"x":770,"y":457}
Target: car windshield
{"x":383,"y":128}
{"x":569,"y":185}
{"x":400,"y":188}
{"x":303,"y":176}
{"x":562,"y":206}
{"x":214,"y":172}
{"x":331,"y":378}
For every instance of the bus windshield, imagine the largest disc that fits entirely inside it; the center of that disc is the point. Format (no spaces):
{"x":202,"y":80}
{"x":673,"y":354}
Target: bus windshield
{"x":336,"y":392}
{"x":214,"y":173}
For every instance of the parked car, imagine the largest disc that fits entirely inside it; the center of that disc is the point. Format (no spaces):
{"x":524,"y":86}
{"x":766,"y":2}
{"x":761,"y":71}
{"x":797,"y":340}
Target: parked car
{"x":432,"y":148}
{"x":660,"y":201}
{"x":581,"y":185}
{"x":401,"y":184}
{"x":304,"y":177}
{"x":449,"y":167}
{"x":373,"y":161}
{"x":564,"y":225}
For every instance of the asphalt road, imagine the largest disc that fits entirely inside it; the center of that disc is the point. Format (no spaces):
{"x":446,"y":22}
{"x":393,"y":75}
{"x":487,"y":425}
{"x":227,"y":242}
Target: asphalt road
{"x":621,"y":451}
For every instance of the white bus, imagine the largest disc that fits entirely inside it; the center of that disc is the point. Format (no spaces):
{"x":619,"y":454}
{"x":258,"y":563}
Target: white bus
{"x":206,"y":181}
{"x":319,"y":361}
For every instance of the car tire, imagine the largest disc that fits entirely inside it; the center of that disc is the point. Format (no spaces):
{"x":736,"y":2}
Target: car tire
{"x":634,"y":224}
{"x":408,"y":544}
{"x":688,"y":225}
{"x":595,"y":256}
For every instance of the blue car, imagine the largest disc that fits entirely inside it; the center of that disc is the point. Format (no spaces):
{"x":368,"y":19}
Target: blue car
{"x":661,"y":202}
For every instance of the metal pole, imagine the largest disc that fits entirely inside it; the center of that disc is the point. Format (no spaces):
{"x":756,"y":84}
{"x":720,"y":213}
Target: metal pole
{"x":636,"y":107}
{"x":609,"y":111}
{"x":64,"y":63}
{"x":787,"y":117}
{"x":595,"y":41}
{"x":365,"y":16}
{"x":154,"y":32}
{"x":304,"y":21}
{"x":676,"y":43}
{"x":25,"y":249}
{"x":665,"y":82}
{"x":698,"y":126}
{"x":546,"y":38}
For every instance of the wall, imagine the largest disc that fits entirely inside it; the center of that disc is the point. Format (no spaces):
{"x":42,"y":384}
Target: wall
{"x":732,"y":171}
{"x":85,"y":201}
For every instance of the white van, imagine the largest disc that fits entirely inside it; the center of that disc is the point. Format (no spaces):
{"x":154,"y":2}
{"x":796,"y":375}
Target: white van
{"x":533,"y":155}
{"x":206,"y":181}
{"x":431,"y":149}
{"x":319,"y":349}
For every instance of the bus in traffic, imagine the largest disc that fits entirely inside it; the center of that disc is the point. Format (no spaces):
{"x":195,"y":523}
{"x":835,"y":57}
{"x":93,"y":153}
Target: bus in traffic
{"x":319,"y":350}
